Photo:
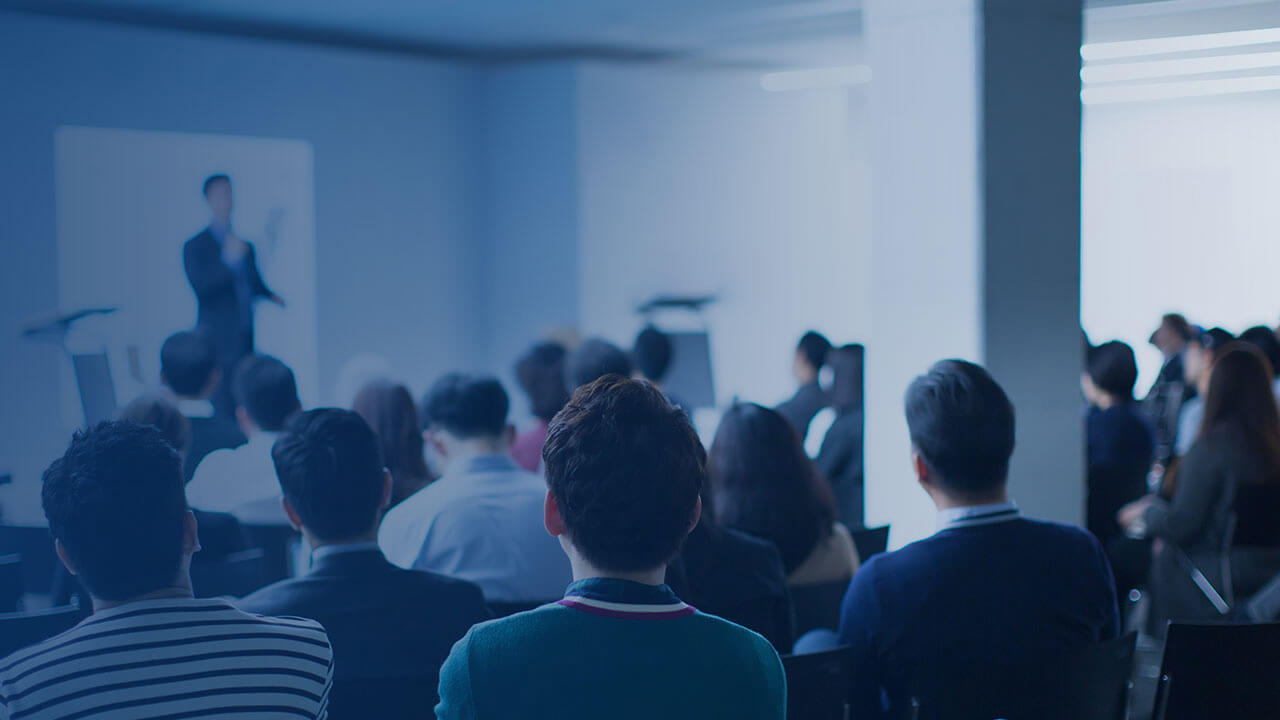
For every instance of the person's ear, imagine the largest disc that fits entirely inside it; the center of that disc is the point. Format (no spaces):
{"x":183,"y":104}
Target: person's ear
{"x":64,"y":557}
{"x":923,"y":476}
{"x":190,"y":534}
{"x":387,"y":485}
{"x":245,"y":422}
{"x":551,"y":516}
{"x":697,"y":514}
{"x":295,"y":521}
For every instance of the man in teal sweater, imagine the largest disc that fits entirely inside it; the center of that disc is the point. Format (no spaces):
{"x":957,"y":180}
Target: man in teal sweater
{"x":624,"y":470}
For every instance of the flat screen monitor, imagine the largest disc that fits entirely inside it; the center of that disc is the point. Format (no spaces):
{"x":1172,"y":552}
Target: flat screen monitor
{"x":97,"y":392}
{"x":689,"y":377}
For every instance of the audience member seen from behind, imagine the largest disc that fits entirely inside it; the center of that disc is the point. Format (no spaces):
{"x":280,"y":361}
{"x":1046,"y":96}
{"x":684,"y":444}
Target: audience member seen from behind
{"x":624,"y":471}
{"x":1197,"y":363}
{"x":120,"y":523}
{"x":594,"y":359}
{"x":840,"y":456}
{"x":990,"y":586}
{"x":482,"y":520}
{"x":1164,"y":401}
{"x":810,"y":398}
{"x":1226,"y":496}
{"x":652,"y":355}
{"x":391,"y":629}
{"x":189,"y":368}
{"x":1265,"y":340}
{"x":540,"y":373}
{"x":389,"y":409}
{"x":765,"y":485}
{"x":242,"y":481}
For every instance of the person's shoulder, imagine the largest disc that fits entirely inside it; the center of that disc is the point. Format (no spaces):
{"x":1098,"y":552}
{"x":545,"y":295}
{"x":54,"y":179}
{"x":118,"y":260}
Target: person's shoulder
{"x":273,"y":600}
{"x":287,"y":628}
{"x":438,"y":588}
{"x":1048,"y":535}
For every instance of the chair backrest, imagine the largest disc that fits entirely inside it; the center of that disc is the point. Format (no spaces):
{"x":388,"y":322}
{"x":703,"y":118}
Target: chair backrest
{"x":1088,"y":685}
{"x":21,"y":629}
{"x":817,"y":606}
{"x":870,"y":541}
{"x":356,"y":698}
{"x":276,"y":542}
{"x":818,"y":684}
{"x":235,"y":575}
{"x":11,"y":584}
{"x":1219,"y":671}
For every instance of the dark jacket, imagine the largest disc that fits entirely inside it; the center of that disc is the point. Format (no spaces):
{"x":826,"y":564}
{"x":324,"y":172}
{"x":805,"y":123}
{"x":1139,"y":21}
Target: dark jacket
{"x":1120,"y":448}
{"x":840,"y":461}
{"x":808,"y":401}
{"x":219,"y":306}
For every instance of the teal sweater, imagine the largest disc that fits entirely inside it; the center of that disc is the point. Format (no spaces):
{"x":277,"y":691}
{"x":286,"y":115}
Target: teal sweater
{"x":612,"y":649}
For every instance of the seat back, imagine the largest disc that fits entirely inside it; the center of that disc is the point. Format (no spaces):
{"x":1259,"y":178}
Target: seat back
{"x":818,"y":684}
{"x":817,"y":606}
{"x":356,"y":698}
{"x":870,"y":541}
{"x":277,"y":543}
{"x":11,"y":585}
{"x":1219,"y":671}
{"x":21,"y":629}
{"x":235,"y":575}
{"x":1088,"y":685}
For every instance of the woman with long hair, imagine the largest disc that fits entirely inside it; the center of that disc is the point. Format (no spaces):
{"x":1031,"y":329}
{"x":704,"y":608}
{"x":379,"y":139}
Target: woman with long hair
{"x":762,"y":483}
{"x":390,"y":411}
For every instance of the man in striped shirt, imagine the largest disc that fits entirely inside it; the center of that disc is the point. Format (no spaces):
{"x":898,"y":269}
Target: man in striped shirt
{"x":120,"y":522}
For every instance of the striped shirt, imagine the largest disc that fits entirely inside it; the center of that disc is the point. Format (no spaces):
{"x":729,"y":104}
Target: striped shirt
{"x":172,"y":658}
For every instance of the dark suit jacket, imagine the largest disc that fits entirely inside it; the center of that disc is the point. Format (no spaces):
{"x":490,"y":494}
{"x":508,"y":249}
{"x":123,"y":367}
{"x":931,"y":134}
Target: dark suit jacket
{"x":391,"y":629}
{"x":219,"y":310}
{"x":209,"y":434}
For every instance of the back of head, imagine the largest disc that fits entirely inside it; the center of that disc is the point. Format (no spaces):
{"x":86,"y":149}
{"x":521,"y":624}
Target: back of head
{"x":540,"y":373}
{"x":1264,"y":338}
{"x":814,"y":346}
{"x":330,"y":471}
{"x":265,"y":388}
{"x":961,"y":422}
{"x":625,"y":468}
{"x":847,"y":364}
{"x":389,"y":409}
{"x":652,"y":353}
{"x":187,"y":363}
{"x":466,"y":406}
{"x":115,"y":501}
{"x":1177,"y":323}
{"x":594,"y":359}
{"x":1113,"y":369}
{"x":1213,"y":339}
{"x":1240,"y":401}
{"x":764,"y":484}
{"x":161,"y":414}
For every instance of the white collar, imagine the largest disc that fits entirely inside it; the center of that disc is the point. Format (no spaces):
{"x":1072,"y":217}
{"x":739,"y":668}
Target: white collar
{"x":195,"y":407}
{"x":972,"y":515}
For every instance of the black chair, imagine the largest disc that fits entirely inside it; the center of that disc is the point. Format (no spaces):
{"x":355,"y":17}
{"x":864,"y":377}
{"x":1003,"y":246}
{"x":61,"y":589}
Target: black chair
{"x":235,"y":575}
{"x":817,"y":606}
{"x":501,"y":610}
{"x":276,"y":542}
{"x":11,"y":584}
{"x":1219,"y":671}
{"x":818,"y":684}
{"x":21,"y":629}
{"x":870,"y":541}
{"x":357,"y":698}
{"x":1090,"y":685}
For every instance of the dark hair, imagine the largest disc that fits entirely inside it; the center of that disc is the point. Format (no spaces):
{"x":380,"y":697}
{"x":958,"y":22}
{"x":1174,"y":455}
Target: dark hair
{"x":764,"y":484}
{"x":594,"y":359}
{"x":961,"y":422}
{"x":115,"y":501}
{"x":847,"y":364}
{"x":625,"y":468}
{"x":1178,"y":323}
{"x":187,"y":361}
{"x":467,"y":406}
{"x":212,"y":180}
{"x":330,"y":471}
{"x":265,"y":388}
{"x":814,"y":346}
{"x":652,"y":353}
{"x":1113,"y":369}
{"x":1240,"y":401}
{"x":540,"y":373}
{"x":390,"y":411}
{"x":1213,"y":339}
{"x":161,"y":414}
{"x":1264,"y":338}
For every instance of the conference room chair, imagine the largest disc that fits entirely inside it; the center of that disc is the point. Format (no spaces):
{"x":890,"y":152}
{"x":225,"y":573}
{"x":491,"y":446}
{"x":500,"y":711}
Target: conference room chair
{"x":1090,"y":685}
{"x":236,"y":575}
{"x":870,"y":541}
{"x":11,"y":585}
{"x":389,"y":698}
{"x":1219,"y":671}
{"x":818,"y":684}
{"x":818,"y":605}
{"x":20,"y":629}
{"x":277,"y":543}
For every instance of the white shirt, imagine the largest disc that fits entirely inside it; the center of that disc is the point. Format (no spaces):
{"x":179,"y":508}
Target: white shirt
{"x":241,"y":481}
{"x":972,"y":515}
{"x":484,"y":524}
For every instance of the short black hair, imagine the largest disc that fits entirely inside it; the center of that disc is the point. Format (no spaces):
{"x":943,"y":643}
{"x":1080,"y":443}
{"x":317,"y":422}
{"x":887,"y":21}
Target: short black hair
{"x":1178,"y":323}
{"x":330,"y":470}
{"x":265,"y":388}
{"x":213,"y":180}
{"x":187,"y":361}
{"x":961,"y":422}
{"x":160,"y":413}
{"x":467,"y":406}
{"x":652,"y":353}
{"x":1213,"y":339}
{"x":540,"y":372}
{"x":1113,"y":369}
{"x":625,"y":468}
{"x":594,"y":359}
{"x":115,"y":500}
{"x":1264,"y":338}
{"x":814,"y":346}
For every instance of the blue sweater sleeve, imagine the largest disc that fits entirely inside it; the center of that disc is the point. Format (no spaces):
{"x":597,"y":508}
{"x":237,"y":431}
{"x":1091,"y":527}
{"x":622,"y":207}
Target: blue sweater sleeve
{"x":859,"y":618}
{"x":457,"y":698}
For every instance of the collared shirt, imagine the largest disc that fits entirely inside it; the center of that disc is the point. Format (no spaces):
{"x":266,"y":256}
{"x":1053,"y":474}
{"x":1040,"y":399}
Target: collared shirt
{"x":194,"y":407}
{"x":616,"y":598}
{"x":241,"y":481}
{"x":483,"y":523}
{"x":325,"y":551}
{"x":962,"y":517}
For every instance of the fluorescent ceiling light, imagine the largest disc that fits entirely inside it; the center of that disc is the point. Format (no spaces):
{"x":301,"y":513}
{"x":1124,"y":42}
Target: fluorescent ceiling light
{"x":817,"y":78}
{"x":1168,"y":91}
{"x":1181,"y":43}
{"x":1120,"y":72}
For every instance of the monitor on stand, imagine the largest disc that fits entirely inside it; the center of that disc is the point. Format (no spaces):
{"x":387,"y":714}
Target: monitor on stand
{"x":97,"y":391}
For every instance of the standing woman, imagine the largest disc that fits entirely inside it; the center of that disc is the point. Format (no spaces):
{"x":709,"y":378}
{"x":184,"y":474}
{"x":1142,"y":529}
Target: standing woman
{"x":1226,"y":497}
{"x":840,"y":457}
{"x":763,"y":484}
{"x":390,"y":411}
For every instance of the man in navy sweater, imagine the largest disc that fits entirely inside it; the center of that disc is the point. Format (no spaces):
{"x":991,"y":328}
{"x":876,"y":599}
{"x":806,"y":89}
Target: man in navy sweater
{"x":989,"y":586}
